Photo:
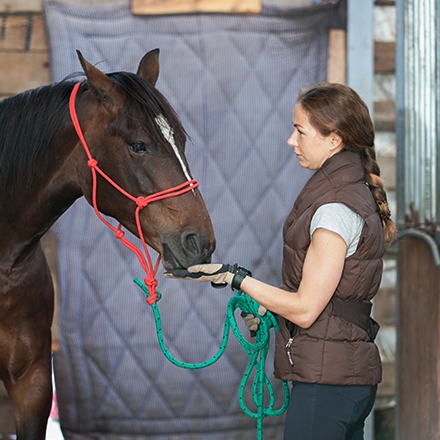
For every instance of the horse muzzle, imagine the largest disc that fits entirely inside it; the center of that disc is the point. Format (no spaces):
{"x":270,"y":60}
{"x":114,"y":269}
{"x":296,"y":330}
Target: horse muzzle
{"x":189,"y":249}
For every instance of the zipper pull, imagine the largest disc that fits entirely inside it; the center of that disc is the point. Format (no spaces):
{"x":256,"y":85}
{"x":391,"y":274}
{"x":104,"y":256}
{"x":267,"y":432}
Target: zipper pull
{"x":289,"y":355}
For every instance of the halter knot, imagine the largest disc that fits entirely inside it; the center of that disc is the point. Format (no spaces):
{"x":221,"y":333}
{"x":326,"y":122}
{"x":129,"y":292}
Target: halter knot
{"x":142,"y":202}
{"x":92,"y":163}
{"x":151,"y":282}
{"x":119,"y":234}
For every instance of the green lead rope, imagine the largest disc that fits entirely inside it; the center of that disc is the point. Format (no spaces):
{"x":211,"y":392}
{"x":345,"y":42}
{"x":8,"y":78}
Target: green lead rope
{"x":257,"y":353}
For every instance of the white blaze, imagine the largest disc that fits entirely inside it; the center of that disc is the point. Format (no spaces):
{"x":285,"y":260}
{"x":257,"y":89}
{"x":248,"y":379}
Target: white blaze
{"x":168,"y":134}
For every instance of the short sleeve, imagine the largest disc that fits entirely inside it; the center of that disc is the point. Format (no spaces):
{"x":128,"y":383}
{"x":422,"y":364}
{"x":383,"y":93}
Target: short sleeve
{"x":339,"y":218}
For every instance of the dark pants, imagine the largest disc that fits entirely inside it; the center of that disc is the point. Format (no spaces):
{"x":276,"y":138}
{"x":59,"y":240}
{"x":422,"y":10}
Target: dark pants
{"x":328,"y":412}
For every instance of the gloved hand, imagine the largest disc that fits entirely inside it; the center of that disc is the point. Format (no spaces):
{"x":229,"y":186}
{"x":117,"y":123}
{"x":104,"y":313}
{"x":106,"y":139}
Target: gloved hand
{"x":219,"y":274}
{"x":252,"y":322}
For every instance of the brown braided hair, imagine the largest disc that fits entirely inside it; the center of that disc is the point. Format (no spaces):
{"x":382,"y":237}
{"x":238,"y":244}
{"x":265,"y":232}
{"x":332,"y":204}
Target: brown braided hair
{"x":337,"y":108}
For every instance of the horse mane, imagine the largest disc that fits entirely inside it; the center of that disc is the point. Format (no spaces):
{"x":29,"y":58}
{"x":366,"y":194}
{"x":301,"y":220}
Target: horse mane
{"x":27,"y":123}
{"x":29,"y":120}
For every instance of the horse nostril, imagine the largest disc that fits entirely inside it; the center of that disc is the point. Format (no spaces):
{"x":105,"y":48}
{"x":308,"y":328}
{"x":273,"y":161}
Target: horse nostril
{"x":192,"y":244}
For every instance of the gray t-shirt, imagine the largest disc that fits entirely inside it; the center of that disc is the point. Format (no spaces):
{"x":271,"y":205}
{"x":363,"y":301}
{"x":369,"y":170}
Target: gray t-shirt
{"x":339,"y":218}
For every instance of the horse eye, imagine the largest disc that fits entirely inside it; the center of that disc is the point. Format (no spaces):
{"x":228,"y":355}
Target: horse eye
{"x":138,"y":147}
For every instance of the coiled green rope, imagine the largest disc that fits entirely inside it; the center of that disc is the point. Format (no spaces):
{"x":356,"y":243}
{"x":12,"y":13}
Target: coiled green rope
{"x":257,"y":353}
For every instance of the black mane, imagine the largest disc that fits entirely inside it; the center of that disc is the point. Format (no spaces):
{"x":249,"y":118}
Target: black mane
{"x":27,"y":123}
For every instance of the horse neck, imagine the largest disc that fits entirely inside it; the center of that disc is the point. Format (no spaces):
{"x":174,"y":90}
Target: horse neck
{"x":51,"y":191}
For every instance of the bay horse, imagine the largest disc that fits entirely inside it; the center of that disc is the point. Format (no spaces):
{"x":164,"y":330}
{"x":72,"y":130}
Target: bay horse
{"x":44,"y":169}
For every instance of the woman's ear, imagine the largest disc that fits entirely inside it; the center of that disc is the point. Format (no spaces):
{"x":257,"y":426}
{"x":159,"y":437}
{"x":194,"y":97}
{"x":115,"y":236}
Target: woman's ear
{"x":336,"y":142}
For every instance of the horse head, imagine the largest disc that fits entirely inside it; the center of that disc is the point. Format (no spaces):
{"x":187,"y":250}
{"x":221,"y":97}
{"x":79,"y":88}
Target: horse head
{"x":138,"y":141}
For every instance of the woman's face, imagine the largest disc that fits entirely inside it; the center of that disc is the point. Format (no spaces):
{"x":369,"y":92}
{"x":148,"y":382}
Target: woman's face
{"x":311,"y":148}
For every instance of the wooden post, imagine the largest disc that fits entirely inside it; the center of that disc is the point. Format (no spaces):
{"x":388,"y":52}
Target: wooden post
{"x":418,"y":316}
{"x":337,"y":56}
{"x":191,"y":6}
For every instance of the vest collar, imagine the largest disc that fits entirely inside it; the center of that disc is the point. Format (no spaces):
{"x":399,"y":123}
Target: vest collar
{"x":344,"y":168}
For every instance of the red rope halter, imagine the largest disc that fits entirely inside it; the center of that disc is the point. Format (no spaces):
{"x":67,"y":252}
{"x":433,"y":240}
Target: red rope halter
{"x":141,"y":202}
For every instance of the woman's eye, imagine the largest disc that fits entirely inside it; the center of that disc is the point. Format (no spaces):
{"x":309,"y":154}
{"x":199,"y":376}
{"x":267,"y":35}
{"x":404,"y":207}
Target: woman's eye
{"x":138,"y":147}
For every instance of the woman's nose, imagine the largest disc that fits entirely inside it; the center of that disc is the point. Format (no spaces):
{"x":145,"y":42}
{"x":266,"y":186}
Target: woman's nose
{"x":291,"y":141}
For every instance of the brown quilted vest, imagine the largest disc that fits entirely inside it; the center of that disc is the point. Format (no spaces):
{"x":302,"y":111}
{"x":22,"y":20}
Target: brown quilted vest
{"x":333,"y":350}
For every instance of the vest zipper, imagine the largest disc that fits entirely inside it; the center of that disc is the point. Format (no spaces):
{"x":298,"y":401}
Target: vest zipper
{"x":289,"y":355}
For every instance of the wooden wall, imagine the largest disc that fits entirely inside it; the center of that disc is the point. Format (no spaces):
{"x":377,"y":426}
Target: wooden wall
{"x":24,"y":54}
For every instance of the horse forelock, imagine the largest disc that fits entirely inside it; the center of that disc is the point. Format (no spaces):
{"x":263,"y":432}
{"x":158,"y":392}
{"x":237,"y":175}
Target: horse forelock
{"x":145,"y":104}
{"x":28,"y":122}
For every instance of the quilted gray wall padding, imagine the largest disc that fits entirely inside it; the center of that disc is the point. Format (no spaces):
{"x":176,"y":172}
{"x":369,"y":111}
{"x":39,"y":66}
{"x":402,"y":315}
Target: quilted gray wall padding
{"x":233,"y":80}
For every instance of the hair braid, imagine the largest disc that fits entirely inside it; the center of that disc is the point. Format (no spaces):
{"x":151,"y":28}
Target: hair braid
{"x":372,"y":176}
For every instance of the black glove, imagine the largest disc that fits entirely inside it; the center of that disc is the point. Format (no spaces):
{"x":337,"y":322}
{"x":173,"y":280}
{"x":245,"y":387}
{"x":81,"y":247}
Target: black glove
{"x":219,"y":274}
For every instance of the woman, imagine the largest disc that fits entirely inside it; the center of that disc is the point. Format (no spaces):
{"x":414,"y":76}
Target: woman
{"x":332,"y":265}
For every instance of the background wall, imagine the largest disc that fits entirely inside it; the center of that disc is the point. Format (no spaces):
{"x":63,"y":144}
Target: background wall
{"x":24,"y":64}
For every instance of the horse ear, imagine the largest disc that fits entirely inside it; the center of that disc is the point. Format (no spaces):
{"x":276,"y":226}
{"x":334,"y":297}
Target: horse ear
{"x":149,"y":66}
{"x":99,"y":83}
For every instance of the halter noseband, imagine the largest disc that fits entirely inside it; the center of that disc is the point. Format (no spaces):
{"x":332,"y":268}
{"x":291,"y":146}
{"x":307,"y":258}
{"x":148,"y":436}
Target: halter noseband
{"x":141,"y":202}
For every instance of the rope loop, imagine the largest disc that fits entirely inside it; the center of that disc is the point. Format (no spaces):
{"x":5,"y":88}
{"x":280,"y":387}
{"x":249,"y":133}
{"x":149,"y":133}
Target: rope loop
{"x":152,"y":299}
{"x":257,"y":353}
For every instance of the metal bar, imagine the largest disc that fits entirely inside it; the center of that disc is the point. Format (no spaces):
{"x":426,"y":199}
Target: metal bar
{"x":435,"y":155}
{"x":401,"y":44}
{"x":415,"y":233}
{"x":418,"y":111}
